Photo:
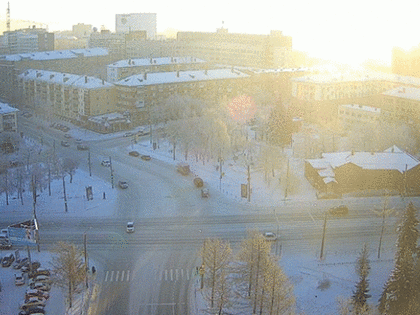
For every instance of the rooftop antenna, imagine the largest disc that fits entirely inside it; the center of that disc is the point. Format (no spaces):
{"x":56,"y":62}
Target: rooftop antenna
{"x":8,"y":17}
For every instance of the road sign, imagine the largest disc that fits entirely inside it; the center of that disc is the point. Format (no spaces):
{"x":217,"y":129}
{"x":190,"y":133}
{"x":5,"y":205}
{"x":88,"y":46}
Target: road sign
{"x":24,"y":233}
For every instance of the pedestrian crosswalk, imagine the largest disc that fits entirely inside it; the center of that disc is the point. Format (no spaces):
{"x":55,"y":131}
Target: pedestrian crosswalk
{"x":117,"y":276}
{"x":173,"y":274}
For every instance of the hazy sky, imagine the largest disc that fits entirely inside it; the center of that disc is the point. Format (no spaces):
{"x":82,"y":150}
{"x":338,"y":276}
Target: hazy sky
{"x":351,"y":31}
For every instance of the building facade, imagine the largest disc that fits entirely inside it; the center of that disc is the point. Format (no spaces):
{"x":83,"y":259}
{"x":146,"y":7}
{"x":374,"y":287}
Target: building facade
{"x":68,"y":96}
{"x":222,"y":47}
{"x":29,"y":40}
{"x":126,"y":23}
{"x":125,"y":68}
{"x":8,"y":118}
{"x":138,"y":94}
{"x":353,"y":115}
{"x":113,"y":42}
{"x":403,"y":104}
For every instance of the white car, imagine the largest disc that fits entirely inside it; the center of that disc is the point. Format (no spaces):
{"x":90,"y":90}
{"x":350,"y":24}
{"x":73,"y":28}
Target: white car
{"x":128,"y":134}
{"x":106,"y":163}
{"x":19,"y":279}
{"x":130,"y":227}
{"x":270,"y":236}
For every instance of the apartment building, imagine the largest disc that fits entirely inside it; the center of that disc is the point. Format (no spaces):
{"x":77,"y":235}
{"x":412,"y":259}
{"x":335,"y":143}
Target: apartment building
{"x":8,"y":118}
{"x":28,"y":40}
{"x":350,"y":115}
{"x":125,"y":68}
{"x":126,"y":23}
{"x":403,"y":103}
{"x":222,"y":47}
{"x":139,"y":93}
{"x":77,"y":61}
{"x":317,"y":97}
{"x":113,"y":42}
{"x":69,"y":96}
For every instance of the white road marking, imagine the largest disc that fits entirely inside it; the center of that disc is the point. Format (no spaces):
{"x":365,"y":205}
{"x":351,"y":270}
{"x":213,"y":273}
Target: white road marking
{"x":128,"y":275}
{"x":106,"y":276}
{"x":112,"y":275}
{"x":122,"y":275}
{"x":116,"y":277}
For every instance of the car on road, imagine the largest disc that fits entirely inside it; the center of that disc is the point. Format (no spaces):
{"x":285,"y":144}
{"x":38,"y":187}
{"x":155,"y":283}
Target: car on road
{"x":198,"y":182}
{"x":205,"y":193}
{"x":270,"y":236}
{"x":183,"y":168}
{"x":19,"y":279}
{"x":7,"y":260}
{"x":122,"y":184}
{"x":82,"y":147}
{"x":146,"y":157}
{"x":134,"y":153}
{"x":128,"y":134}
{"x":65,"y":143}
{"x":78,"y":141}
{"x":106,"y":163}
{"x":130,"y":227}
{"x":67,"y":136}
{"x":339,"y":211}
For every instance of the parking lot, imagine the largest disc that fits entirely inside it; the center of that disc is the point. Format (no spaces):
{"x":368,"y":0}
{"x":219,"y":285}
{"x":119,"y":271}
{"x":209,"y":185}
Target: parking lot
{"x":12,"y":295}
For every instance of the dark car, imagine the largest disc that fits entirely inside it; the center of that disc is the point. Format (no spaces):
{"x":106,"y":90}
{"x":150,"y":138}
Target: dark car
{"x":65,"y":144}
{"x":123,"y":184}
{"x":205,"y":193}
{"x":32,"y":292}
{"x":39,"y":272}
{"x":339,"y":211}
{"x":146,"y":157}
{"x":33,"y":310}
{"x":82,"y":147}
{"x":134,"y":153}
{"x":7,"y":260}
{"x":198,"y":182}
{"x":26,"y":267}
{"x":5,"y":245}
{"x":19,"y":263}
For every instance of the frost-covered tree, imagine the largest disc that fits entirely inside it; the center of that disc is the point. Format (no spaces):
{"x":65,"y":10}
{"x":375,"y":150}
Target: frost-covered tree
{"x":398,"y":295}
{"x":361,"y":294}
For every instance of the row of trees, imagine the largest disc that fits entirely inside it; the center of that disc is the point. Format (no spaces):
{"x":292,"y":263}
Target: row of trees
{"x":401,"y":293}
{"x":253,"y":275}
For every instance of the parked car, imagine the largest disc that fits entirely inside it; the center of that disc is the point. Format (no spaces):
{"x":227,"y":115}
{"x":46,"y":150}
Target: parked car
{"x":339,"y":211}
{"x":34,"y":310}
{"x":19,"y":263}
{"x":134,"y":153}
{"x":26,"y":267}
{"x":130,"y":227}
{"x":183,"y":168}
{"x":40,"y":286}
{"x":128,"y":134}
{"x":205,"y":193}
{"x":7,"y":260}
{"x":19,"y":279}
{"x":106,"y":163}
{"x":39,"y":272}
{"x":270,"y":236}
{"x":33,"y":292}
{"x":65,"y":143}
{"x":122,"y":184}
{"x":40,"y":278}
{"x":5,"y":245}
{"x":31,"y":303}
{"x":146,"y":157}
{"x":82,"y":147}
{"x":78,"y":141}
{"x":198,"y":182}
{"x":67,"y":136}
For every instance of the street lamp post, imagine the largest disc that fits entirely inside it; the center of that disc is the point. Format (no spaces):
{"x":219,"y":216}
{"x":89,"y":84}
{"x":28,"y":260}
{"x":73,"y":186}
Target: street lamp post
{"x":323,"y":237}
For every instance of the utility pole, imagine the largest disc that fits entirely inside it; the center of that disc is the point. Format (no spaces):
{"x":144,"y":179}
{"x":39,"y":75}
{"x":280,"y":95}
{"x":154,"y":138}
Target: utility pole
{"x":287,"y":181}
{"x":86,"y":261}
{"x":220,"y":168}
{"x":249,"y":184}
{"x":112,"y":173}
{"x":64,"y":193}
{"x":89,"y":163}
{"x":323,"y":237}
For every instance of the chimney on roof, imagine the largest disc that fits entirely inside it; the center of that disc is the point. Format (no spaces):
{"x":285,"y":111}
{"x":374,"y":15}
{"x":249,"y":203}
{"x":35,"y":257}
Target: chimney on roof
{"x":145,"y":75}
{"x":129,"y":61}
{"x":151,"y":60}
{"x":352,"y":152}
{"x":177,"y":73}
{"x":103,"y":82}
{"x":231,"y":69}
{"x":86,"y":80}
{"x":205,"y":72}
{"x":403,"y":90}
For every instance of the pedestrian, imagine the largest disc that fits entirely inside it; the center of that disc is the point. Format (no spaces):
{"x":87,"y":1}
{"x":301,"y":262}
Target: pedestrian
{"x":93,"y":269}
{"x":104,"y":195}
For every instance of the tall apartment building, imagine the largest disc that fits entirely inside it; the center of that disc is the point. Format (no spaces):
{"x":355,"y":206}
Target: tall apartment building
{"x":356,"y":115}
{"x":113,"y":42}
{"x":126,"y":23}
{"x":81,"y":30}
{"x":222,"y":47}
{"x":29,"y":40}
{"x":125,"y":68}
{"x":8,"y":118}
{"x":403,"y":103}
{"x":70,"y":96}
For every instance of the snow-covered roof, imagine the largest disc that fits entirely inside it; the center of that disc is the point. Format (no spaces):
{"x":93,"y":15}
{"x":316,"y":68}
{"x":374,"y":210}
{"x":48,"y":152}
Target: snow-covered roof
{"x":110,"y":117}
{"x":183,"y":76}
{"x":6,"y":109}
{"x":57,"y":54}
{"x":75,"y":80}
{"x":358,"y":77}
{"x":127,"y":63}
{"x":404,"y":92}
{"x":387,"y":160}
{"x":362,"y":108}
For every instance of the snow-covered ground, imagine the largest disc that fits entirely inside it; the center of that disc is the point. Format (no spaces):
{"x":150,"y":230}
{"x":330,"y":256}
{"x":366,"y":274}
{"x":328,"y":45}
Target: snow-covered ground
{"x":306,"y":271}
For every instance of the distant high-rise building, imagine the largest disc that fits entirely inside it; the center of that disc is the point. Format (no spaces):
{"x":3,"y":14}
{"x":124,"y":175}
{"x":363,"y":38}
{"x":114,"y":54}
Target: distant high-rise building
{"x":29,"y":40}
{"x":82,"y":30}
{"x":126,"y":23}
